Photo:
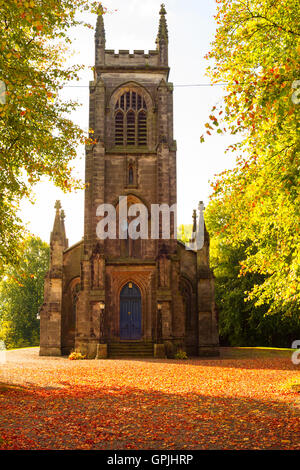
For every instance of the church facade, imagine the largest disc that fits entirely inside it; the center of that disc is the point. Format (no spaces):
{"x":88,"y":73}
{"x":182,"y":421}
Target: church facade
{"x":119,"y":296}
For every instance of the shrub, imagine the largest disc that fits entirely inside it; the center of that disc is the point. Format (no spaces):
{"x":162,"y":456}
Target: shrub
{"x":181,"y":354}
{"x":74,"y":356}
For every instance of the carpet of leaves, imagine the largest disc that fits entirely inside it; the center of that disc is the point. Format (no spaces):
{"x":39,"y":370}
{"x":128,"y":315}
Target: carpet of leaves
{"x":222,"y":403}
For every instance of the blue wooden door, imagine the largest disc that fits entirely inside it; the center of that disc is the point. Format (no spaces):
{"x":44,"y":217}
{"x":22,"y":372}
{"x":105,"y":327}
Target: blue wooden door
{"x":130,"y":312}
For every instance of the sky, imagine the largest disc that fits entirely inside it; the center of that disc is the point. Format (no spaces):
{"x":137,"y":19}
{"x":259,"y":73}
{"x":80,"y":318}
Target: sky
{"x":133,"y":24}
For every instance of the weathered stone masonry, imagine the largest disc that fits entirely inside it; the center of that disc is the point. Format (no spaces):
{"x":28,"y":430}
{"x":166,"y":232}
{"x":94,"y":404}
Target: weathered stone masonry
{"x":167,"y":290}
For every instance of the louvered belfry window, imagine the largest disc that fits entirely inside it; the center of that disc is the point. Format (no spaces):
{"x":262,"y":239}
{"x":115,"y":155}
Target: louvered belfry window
{"x":119,"y":128}
{"x":131,"y":120}
{"x":142,"y":128}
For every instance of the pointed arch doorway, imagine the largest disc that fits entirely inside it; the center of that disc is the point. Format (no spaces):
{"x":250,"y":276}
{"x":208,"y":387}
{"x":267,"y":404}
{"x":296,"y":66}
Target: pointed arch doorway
{"x":130,"y":312}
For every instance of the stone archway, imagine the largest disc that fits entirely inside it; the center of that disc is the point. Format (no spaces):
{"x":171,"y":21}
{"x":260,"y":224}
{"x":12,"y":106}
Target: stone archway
{"x":130,"y":312}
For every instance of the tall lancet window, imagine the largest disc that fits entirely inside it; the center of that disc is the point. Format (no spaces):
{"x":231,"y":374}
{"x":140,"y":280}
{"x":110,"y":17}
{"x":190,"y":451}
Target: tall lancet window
{"x":131,"y":120}
{"x":130,"y":175}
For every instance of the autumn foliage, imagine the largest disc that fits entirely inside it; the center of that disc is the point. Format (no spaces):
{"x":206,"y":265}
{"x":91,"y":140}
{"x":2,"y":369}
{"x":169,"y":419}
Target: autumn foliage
{"x":256,"y":205}
{"x":37,"y":136}
{"x":228,"y":403}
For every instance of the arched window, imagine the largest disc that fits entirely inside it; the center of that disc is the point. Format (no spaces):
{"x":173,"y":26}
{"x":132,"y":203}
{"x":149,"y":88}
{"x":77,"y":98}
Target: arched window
{"x":129,"y":247}
{"x":187,"y":293}
{"x":75,"y":288}
{"x":131,"y":120}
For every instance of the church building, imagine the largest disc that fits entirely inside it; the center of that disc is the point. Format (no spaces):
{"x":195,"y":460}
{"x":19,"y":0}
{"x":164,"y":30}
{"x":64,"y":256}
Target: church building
{"x":122,"y":296}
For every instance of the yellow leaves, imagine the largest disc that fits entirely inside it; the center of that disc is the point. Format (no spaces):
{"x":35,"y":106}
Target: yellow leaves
{"x":30,"y":4}
{"x":50,"y":96}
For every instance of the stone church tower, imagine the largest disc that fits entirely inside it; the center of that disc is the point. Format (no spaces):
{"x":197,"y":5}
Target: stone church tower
{"x":123,"y":296}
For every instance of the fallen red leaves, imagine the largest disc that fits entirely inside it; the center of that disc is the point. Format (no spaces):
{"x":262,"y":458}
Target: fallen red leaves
{"x":147,"y":404}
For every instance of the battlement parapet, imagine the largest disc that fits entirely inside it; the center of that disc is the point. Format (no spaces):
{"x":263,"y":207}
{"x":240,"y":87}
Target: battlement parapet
{"x":137,"y":58}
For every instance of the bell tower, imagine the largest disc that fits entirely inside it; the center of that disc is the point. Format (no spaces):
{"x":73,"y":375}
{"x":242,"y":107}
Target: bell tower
{"x":119,"y":292}
{"x":134,"y":156}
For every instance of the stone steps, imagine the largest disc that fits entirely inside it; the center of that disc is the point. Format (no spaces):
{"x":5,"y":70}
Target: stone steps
{"x":130,"y":349}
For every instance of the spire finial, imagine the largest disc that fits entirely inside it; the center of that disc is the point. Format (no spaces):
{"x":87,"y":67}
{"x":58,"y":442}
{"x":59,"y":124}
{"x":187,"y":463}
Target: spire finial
{"x":57,"y":205}
{"x":163,"y":28}
{"x":100,"y":40}
{"x":100,"y":30}
{"x":194,"y":221}
{"x":58,"y":233}
{"x":201,"y":229}
{"x":162,"y":9}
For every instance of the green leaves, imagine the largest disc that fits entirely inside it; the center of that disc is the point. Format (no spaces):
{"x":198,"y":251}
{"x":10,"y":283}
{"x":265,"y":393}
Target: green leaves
{"x":36,"y":136}
{"x":21,"y":295}
{"x":256,"y":51}
{"x":241,"y":268}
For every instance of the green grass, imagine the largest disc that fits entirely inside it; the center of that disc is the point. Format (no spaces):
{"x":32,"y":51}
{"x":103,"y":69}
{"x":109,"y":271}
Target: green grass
{"x":23,"y":347}
{"x":257,"y":351}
